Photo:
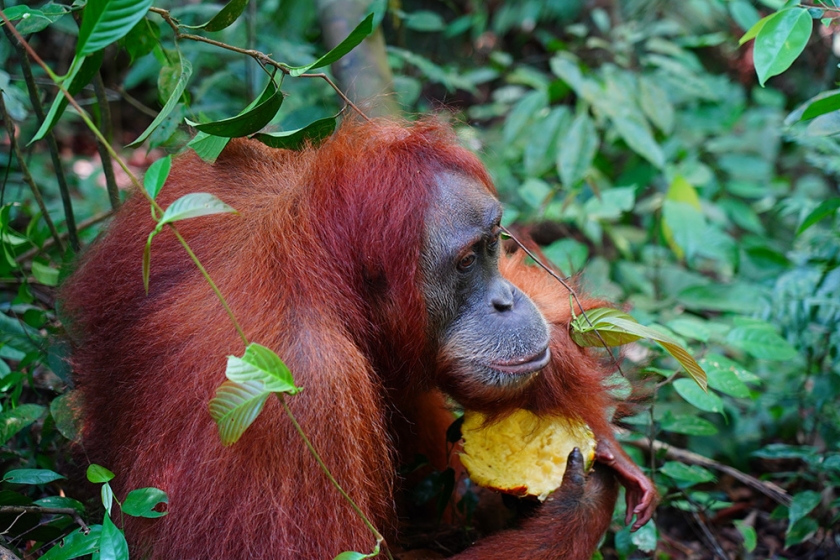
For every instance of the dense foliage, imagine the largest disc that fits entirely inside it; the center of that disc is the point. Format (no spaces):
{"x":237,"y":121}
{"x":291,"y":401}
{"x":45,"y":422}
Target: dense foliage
{"x":632,"y":137}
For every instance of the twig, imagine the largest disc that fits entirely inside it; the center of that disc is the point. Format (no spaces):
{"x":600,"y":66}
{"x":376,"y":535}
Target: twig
{"x":36,"y":191}
{"x":52,"y":145}
{"x":105,"y":128}
{"x":709,"y":536}
{"x":48,"y":511}
{"x":93,"y":220}
{"x":262,"y":58}
{"x":572,"y":293}
{"x":769,"y":489}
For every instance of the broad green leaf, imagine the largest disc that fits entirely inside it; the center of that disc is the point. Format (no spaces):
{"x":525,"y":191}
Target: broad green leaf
{"x":356,"y":36}
{"x":802,"y":504}
{"x":654,"y":102}
{"x":250,"y":120}
{"x":156,"y":176}
{"x":617,"y":328}
{"x":522,"y":114}
{"x":98,"y":474}
{"x":194,"y":205}
{"x":424,"y":20}
{"x":236,"y":406}
{"x":180,"y":86}
{"x":82,"y":71}
{"x":824,"y":125}
{"x":31,"y":20}
{"x":15,"y":419}
{"x":142,"y":501}
{"x":727,"y":383}
{"x":638,"y":137}
{"x":106,"y":21}
{"x":680,"y":190}
{"x":577,"y":150}
{"x":75,"y":545}
{"x":747,"y":533}
{"x":753,"y":31}
{"x":112,"y":544}
{"x":736,"y":298}
{"x":569,"y":255}
{"x":60,"y":502}
{"x":226,"y":16}
{"x":821,"y":107}
{"x":142,"y":39}
{"x":261,"y":364}
{"x":690,"y":327}
{"x":718,"y":361}
{"x":45,"y":274}
{"x":826,"y":208}
{"x":780,"y":41}
{"x":534,"y":192}
{"x":800,"y":531}
{"x":31,"y":476}
{"x":688,"y":425}
{"x":646,"y":538}
{"x":784,"y":451}
{"x":744,"y":14}
{"x":688,"y":473}
{"x":312,"y":133}
{"x":761,"y":342}
{"x":703,"y":400}
{"x":351,"y":555}
{"x":207,"y":146}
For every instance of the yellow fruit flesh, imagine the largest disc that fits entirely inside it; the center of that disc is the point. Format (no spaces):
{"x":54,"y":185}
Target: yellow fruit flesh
{"x":522,"y":454}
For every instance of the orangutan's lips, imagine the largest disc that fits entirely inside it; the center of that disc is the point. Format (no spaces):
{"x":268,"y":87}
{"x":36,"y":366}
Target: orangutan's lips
{"x":529,"y":364}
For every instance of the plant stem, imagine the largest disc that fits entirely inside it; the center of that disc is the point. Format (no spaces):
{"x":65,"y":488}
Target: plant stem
{"x":27,"y":176}
{"x":105,"y":126}
{"x":356,"y":508}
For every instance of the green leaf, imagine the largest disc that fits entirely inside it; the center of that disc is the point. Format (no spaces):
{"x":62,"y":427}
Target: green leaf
{"x":654,"y":102}
{"x":82,"y":71}
{"x":236,"y":406}
{"x":687,"y":473}
{"x":156,"y":176}
{"x":800,"y":531}
{"x":727,"y":383}
{"x":753,"y":31}
{"x":826,"y":208}
{"x":780,"y":41}
{"x":688,"y":425}
{"x":262,"y":364}
{"x":249,"y":121}
{"x":701,"y":399}
{"x":638,"y":137}
{"x":356,"y":36}
{"x":821,"y":107}
{"x":142,"y":501}
{"x":747,"y":533}
{"x":226,"y":16}
{"x":14,"y":420}
{"x":207,"y":146}
{"x":194,"y":205}
{"x":31,"y":476}
{"x":296,"y":139}
{"x":744,"y":14}
{"x":66,"y":412}
{"x":75,"y":544}
{"x":351,"y":555}
{"x":761,"y":342}
{"x":424,"y":20}
{"x":577,"y":151}
{"x":646,"y":537}
{"x":107,"y":494}
{"x":60,"y":502}
{"x":171,"y":103}
{"x":98,"y":474}
{"x":617,"y":328}
{"x":534,"y":192}
{"x":141,"y":40}
{"x":112,"y":544}
{"x":45,"y":274}
{"x":106,"y":21}
{"x":33,"y":21}
{"x":802,"y":504}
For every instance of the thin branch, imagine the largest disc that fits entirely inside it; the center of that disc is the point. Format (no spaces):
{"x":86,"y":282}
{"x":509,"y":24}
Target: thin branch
{"x":27,"y":177}
{"x":93,"y":220}
{"x":262,"y":58}
{"x":769,"y":489}
{"x":47,"y":511}
{"x":52,"y":145}
{"x":105,"y":127}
